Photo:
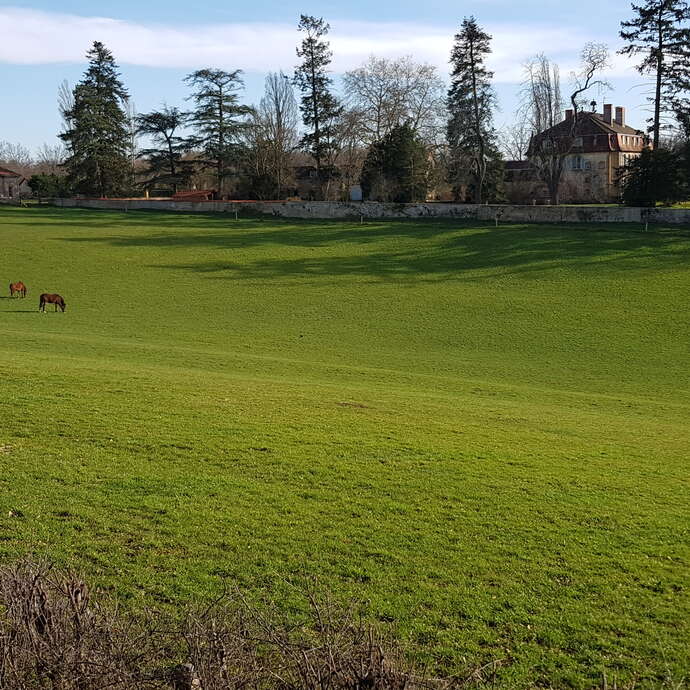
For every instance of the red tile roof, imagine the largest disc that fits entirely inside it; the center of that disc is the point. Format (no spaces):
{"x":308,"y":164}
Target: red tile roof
{"x":595,"y":135}
{"x":5,"y":172}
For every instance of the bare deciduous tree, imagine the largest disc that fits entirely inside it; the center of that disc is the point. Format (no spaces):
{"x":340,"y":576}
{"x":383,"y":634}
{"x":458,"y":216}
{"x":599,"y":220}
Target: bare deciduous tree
{"x":594,"y":59}
{"x":514,"y":140}
{"x":16,"y":157}
{"x":65,"y":100}
{"x":49,"y":159}
{"x":351,"y":151}
{"x":132,"y":137}
{"x":542,"y":107}
{"x":542,"y":101}
{"x":389,"y":93}
{"x":275,"y":129}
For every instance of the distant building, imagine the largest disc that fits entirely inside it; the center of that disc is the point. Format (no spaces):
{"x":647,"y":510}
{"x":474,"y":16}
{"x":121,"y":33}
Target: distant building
{"x":12,"y":184}
{"x":601,"y":144}
{"x":521,"y":184}
{"x":308,"y":186}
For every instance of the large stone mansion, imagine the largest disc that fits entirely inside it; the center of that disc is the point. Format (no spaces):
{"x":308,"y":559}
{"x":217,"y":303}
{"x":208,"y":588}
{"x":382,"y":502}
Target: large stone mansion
{"x":601,"y":144}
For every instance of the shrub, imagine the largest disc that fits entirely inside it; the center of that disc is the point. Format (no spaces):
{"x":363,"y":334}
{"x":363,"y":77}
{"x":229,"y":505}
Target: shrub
{"x":49,"y":186}
{"x":55,"y":632}
{"x":654,"y":177}
{"x":396,"y":168}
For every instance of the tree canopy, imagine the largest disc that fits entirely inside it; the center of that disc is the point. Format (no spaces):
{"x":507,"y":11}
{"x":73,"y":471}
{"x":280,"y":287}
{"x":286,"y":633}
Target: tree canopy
{"x":471,"y":101}
{"x":320,"y":108}
{"x":396,"y":168}
{"x":97,"y":134}
{"x":658,"y":32}
{"x":166,"y":166}
{"x":654,"y":177}
{"x":218,"y":119}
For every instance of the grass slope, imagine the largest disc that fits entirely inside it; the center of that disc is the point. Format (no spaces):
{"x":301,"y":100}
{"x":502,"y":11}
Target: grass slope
{"x":482,"y":432}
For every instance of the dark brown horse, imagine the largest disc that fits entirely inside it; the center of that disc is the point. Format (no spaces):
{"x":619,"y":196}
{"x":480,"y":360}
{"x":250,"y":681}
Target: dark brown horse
{"x":51,"y":299}
{"x":17,"y":289}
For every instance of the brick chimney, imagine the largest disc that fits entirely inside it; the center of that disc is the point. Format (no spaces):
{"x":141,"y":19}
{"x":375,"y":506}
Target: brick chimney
{"x":568,"y":114}
{"x":620,"y":116}
{"x":607,"y":112}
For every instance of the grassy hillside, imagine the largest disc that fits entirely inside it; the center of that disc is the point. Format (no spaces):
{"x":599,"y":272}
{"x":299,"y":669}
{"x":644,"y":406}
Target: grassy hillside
{"x":483,"y":433}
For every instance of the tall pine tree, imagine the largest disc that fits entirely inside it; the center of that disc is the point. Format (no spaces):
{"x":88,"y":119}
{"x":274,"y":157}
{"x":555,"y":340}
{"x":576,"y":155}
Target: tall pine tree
{"x":97,"y":135}
{"x":166,"y":165}
{"x":219,"y":120}
{"x":659,"y":32}
{"x":320,"y":108}
{"x":474,"y":157}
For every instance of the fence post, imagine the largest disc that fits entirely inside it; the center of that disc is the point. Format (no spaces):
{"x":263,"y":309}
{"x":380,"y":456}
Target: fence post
{"x":645,"y":217}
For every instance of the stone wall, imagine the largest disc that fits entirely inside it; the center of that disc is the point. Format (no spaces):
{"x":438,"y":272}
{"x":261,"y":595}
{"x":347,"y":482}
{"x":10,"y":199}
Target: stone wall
{"x":365,"y":210}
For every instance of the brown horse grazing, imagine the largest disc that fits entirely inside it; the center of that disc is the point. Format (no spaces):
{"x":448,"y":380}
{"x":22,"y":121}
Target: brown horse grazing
{"x":51,"y":299}
{"x":17,"y":289}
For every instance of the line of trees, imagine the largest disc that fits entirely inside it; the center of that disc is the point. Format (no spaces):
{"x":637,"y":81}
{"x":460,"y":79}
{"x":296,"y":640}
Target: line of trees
{"x":386,"y":132}
{"x":394,"y":128}
{"x":659,"y":34}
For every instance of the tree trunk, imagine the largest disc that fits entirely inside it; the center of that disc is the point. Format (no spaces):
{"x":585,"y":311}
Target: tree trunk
{"x":172,"y":166}
{"x":481,"y":163}
{"x":317,"y":130}
{"x":657,"y":93}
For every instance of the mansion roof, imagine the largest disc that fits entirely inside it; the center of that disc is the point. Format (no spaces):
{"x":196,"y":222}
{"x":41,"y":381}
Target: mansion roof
{"x":6,"y":172}
{"x":596,"y":132}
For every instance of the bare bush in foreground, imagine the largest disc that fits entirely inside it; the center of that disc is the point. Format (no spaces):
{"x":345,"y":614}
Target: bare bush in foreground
{"x":55,"y":634}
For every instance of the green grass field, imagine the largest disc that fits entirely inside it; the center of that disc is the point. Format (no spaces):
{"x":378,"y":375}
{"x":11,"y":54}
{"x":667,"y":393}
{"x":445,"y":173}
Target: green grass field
{"x":481,"y":433}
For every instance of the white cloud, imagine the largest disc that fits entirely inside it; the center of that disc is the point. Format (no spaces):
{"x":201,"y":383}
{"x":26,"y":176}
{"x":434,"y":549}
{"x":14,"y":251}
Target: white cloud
{"x":36,"y":37}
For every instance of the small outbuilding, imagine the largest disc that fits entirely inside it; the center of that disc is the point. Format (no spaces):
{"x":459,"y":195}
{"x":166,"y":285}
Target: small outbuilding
{"x":12,"y":184}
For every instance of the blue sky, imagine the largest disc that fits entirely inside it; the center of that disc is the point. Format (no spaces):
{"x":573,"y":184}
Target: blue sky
{"x":157,"y":43}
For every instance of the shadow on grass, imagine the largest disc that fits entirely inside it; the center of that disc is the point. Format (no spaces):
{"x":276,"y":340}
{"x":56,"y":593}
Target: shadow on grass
{"x":421,"y":252}
{"x":396,"y":250}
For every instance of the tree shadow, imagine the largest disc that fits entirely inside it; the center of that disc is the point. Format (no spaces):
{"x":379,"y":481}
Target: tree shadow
{"x":474,"y":256}
{"x":252,"y":233}
{"x":394,"y":250}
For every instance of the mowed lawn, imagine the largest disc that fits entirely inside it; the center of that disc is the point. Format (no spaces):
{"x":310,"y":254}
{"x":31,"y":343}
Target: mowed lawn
{"x":481,"y":434}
